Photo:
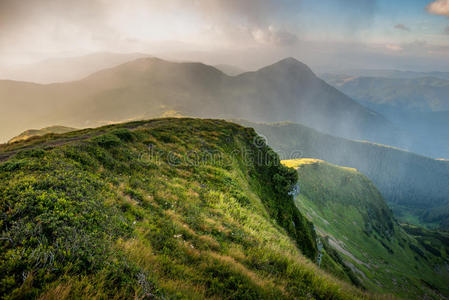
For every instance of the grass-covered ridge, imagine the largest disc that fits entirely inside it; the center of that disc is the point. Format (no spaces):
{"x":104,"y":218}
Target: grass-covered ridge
{"x":359,"y":232}
{"x":39,"y":132}
{"x":169,"y":208}
{"x":414,"y":186}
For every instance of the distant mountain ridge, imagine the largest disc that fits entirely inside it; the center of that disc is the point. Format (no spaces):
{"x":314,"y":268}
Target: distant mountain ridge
{"x":391,"y":73}
{"x":419,"y":106}
{"x":147,"y":87}
{"x":66,"y":68}
{"x":425,"y":94}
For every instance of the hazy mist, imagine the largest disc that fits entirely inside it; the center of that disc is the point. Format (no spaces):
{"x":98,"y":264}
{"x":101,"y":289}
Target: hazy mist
{"x":249,"y":34}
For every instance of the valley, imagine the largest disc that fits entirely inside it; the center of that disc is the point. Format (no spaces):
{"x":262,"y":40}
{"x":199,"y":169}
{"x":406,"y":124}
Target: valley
{"x":414,"y":186}
{"x":352,"y":218}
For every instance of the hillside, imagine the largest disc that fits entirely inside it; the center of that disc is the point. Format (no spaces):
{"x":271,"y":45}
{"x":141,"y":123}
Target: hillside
{"x":425,"y":94}
{"x":147,"y":87}
{"x":155,"y":209}
{"x":353,"y":220}
{"x":419,"y":106}
{"x":414,"y":186}
{"x":39,"y":132}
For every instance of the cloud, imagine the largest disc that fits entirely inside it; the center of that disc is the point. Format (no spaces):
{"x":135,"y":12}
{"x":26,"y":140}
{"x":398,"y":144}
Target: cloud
{"x":66,"y":26}
{"x":395,"y":48}
{"x":418,"y":48}
{"x":32,"y":30}
{"x":255,"y":12}
{"x":262,"y":21}
{"x":275,"y":37}
{"x":402,"y":27}
{"x":439,"y":7}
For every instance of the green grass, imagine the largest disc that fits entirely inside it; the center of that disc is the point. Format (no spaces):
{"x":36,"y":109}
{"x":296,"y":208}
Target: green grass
{"x":141,"y":210}
{"x":414,"y":186}
{"x":351,"y":217}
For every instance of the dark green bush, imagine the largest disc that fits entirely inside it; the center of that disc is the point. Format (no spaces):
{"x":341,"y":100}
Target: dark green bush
{"x":124,"y":134}
{"x":107,"y":140}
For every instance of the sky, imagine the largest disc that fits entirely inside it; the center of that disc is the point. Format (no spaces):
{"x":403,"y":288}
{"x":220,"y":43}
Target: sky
{"x":400,"y":34}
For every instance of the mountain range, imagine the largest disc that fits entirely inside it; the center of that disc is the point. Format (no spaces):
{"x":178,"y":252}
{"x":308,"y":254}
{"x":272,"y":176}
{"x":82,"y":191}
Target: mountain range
{"x":385,"y":73}
{"x":424,"y":94}
{"x":147,"y":87}
{"x":419,"y":106}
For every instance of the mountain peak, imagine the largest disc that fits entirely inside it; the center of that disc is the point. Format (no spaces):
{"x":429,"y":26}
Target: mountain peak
{"x":290,"y":60}
{"x":290,"y":65}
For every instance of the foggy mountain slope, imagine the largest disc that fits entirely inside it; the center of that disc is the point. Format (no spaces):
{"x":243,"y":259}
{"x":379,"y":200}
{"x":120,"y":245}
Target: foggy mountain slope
{"x":416,"y":187}
{"x":418,"y":106}
{"x":425,"y":94}
{"x":230,"y":70}
{"x":388,"y":73}
{"x":287,"y":90}
{"x":67,"y":68}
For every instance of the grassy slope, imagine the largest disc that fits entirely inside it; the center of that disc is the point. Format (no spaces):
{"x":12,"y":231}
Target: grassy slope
{"x":414,"y":186}
{"x":436,"y":242}
{"x":350,"y":214}
{"x":39,"y":132}
{"x":137,"y":210}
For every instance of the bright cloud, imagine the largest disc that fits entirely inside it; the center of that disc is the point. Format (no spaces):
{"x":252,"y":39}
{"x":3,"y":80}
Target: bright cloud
{"x":32,"y":30}
{"x":395,"y":48}
{"x":439,"y":7}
